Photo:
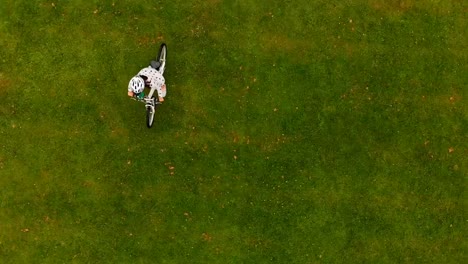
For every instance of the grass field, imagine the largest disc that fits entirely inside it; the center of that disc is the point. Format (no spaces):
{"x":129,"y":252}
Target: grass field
{"x":293,"y":132}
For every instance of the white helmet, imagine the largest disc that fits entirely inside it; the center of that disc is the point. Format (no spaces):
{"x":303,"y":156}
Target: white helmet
{"x":137,"y":84}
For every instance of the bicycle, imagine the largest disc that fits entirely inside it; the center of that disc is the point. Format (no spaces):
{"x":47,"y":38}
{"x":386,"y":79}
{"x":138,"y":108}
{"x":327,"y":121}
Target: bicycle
{"x":150,"y":101}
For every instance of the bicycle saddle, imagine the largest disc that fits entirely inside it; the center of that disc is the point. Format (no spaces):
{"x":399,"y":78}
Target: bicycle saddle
{"x":155,"y":64}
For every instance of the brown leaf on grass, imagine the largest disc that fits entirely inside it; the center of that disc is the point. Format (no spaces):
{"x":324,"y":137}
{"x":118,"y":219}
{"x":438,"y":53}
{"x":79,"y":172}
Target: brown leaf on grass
{"x":454,"y":98}
{"x":187,"y":216}
{"x":170,"y":167}
{"x":206,"y":237}
{"x":451,"y":150}
{"x":25,"y":230}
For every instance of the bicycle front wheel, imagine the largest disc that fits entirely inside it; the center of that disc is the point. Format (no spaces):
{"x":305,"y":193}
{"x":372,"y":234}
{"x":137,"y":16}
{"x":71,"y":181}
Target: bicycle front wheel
{"x":162,"y":58}
{"x":149,"y":116}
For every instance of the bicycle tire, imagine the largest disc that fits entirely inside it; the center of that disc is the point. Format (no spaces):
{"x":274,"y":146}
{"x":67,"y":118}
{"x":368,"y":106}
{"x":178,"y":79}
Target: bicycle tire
{"x":161,"y":58}
{"x":150,"y":116}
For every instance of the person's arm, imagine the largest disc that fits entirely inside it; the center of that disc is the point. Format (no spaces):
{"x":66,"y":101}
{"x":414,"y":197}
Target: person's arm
{"x":163,"y":89}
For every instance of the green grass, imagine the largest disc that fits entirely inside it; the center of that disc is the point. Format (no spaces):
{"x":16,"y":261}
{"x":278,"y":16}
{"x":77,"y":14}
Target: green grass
{"x":293,"y":132}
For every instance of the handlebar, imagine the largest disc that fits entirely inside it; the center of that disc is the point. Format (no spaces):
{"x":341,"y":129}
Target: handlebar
{"x":146,"y":100}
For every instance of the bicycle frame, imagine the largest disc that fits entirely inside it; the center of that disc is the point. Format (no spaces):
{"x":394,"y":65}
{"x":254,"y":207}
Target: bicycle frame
{"x":150,"y":95}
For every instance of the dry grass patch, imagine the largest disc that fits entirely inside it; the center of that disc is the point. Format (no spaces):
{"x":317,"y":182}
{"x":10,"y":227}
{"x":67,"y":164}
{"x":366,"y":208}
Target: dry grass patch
{"x":281,"y":44}
{"x":5,"y":84}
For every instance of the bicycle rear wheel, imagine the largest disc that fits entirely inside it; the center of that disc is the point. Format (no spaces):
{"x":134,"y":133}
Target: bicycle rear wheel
{"x":162,"y":58}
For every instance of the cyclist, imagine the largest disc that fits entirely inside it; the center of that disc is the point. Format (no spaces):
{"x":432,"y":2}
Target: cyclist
{"x":147,"y":77}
